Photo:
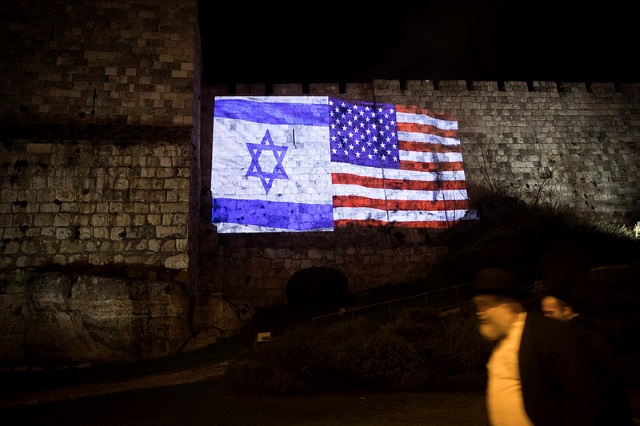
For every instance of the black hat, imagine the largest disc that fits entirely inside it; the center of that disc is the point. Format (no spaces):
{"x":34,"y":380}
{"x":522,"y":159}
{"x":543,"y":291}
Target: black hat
{"x":497,"y":281}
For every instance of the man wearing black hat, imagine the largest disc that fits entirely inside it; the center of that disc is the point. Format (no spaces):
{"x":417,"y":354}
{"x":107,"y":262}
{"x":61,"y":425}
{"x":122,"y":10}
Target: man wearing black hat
{"x":612,"y":374}
{"x":537,"y":375}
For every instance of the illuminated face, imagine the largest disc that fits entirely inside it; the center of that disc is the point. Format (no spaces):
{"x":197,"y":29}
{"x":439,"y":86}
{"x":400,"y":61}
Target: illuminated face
{"x":552,"y":307}
{"x":495,"y":316}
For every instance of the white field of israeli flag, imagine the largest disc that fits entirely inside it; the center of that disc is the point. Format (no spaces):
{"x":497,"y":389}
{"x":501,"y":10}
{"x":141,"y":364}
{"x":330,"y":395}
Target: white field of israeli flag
{"x":270,"y":169}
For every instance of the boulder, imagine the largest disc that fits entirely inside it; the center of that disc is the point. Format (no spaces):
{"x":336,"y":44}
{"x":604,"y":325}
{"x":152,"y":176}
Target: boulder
{"x":217,"y":318}
{"x":94,"y":318}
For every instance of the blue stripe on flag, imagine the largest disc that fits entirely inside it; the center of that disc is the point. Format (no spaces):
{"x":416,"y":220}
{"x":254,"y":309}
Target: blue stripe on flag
{"x":307,"y":114}
{"x":291,"y":216}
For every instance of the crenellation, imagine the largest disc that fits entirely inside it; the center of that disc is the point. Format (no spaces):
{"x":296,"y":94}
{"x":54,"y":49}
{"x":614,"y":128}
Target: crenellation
{"x":287,"y":89}
{"x":453,"y":86}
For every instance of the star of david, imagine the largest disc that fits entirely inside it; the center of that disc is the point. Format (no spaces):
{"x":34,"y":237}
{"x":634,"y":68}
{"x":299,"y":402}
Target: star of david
{"x":255,"y":169}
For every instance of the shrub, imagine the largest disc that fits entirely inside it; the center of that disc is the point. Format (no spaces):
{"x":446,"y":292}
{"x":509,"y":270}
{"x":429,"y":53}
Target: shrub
{"x":422,"y":350}
{"x":517,"y":236}
{"x":282,"y":366}
{"x":455,"y":351}
{"x":361,"y":354}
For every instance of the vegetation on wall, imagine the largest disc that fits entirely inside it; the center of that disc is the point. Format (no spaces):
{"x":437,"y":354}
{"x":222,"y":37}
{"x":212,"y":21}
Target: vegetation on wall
{"x":421,"y":350}
{"x":426,"y":350}
{"x":523,"y":237}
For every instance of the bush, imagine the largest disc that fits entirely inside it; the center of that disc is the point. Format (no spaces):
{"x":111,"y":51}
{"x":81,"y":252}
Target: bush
{"x":422,"y":350}
{"x":455,"y":351}
{"x":360,"y":354}
{"x":521,"y":237}
{"x":281,"y":366}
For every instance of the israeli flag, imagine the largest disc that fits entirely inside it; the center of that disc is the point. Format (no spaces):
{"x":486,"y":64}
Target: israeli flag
{"x":270,"y":166}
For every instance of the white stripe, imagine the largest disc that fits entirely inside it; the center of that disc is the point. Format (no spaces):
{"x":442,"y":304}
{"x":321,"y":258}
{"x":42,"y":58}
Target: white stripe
{"x":407,"y":117}
{"x":399,"y":194}
{"x":430,"y":157}
{"x":233,"y":228}
{"x":427,"y":138}
{"x":350,"y":213}
{"x":337,"y":167}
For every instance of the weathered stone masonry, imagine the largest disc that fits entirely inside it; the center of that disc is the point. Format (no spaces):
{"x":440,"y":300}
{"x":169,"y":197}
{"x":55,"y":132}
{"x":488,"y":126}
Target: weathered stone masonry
{"x":106,"y":251}
{"x":100,"y":128}
{"x":573,"y":147}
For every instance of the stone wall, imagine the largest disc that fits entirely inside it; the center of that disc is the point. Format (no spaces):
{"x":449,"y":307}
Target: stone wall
{"x":100,"y":156}
{"x":104,"y":178}
{"x":119,"y":62}
{"x":95,"y":201}
{"x":566,"y":145}
{"x":99,"y":141}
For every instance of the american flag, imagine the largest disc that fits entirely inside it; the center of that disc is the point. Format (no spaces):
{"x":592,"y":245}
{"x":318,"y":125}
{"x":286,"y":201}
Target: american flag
{"x":293,"y":164}
{"x":395,"y":164}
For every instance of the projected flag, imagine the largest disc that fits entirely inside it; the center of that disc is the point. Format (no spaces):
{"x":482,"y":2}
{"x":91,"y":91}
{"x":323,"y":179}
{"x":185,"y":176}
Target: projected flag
{"x":313,"y":163}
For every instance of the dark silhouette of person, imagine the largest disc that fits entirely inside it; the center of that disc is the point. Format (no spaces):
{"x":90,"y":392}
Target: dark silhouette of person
{"x":610,"y":371}
{"x":537,"y":372}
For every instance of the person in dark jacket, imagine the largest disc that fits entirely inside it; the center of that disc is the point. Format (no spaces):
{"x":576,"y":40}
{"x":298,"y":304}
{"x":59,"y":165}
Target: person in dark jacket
{"x":610,"y":371}
{"x":537,"y":372}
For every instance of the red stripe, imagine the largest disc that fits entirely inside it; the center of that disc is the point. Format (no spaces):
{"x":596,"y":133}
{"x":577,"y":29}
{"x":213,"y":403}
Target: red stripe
{"x":404,"y":205}
{"x":425,"y":128}
{"x":415,"y":185}
{"x":401,"y":184}
{"x":432,"y":167}
{"x":372,"y":222}
{"x":427,"y":147}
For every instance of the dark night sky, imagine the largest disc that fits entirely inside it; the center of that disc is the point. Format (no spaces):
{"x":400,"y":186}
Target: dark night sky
{"x":437,"y":40}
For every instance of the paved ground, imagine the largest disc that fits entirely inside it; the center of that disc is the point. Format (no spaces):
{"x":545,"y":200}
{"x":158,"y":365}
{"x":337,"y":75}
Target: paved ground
{"x":92,"y":389}
{"x":150,"y":407}
{"x":72,"y":384}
